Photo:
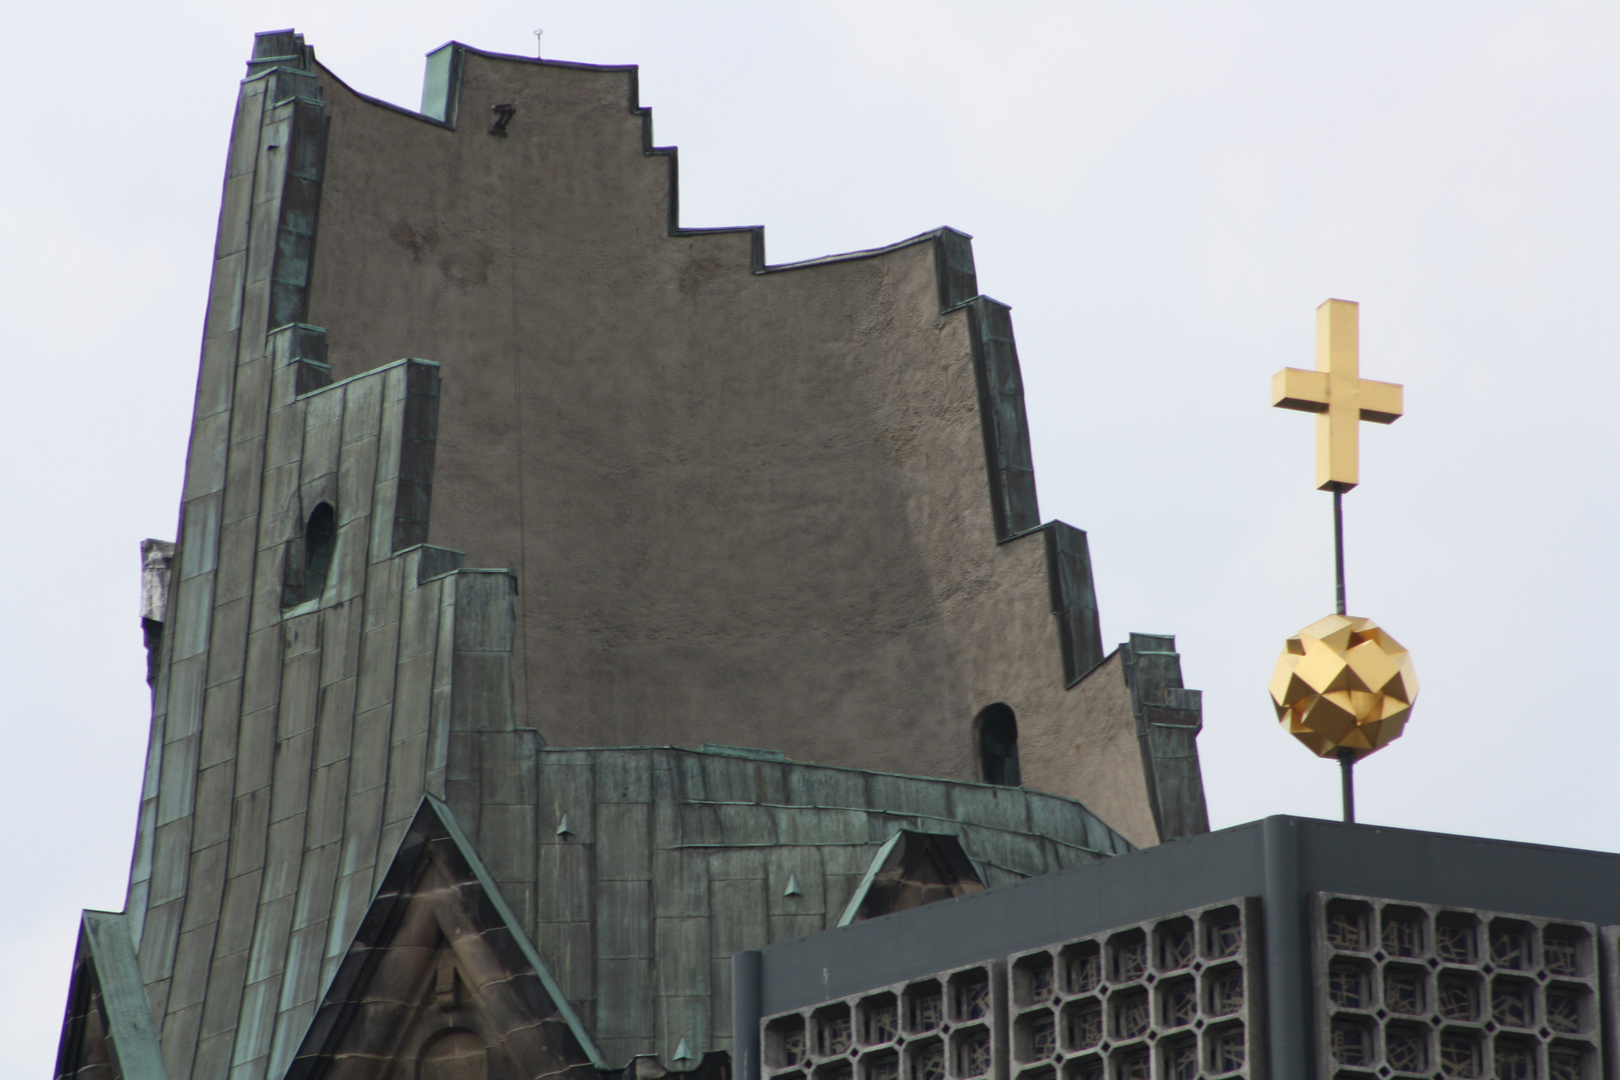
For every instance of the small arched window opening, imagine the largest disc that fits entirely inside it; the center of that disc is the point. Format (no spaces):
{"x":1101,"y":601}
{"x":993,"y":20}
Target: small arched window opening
{"x":997,"y":729}
{"x":320,"y":537}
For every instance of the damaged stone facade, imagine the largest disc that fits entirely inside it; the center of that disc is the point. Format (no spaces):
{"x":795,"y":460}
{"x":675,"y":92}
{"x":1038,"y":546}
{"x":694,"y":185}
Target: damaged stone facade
{"x":406,"y":817}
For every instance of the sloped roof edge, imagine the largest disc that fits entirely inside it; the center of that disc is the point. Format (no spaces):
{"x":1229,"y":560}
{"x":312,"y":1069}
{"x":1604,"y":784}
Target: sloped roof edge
{"x":131,"y":1036}
{"x":447,"y":818}
{"x":858,"y":897}
{"x":900,"y":853}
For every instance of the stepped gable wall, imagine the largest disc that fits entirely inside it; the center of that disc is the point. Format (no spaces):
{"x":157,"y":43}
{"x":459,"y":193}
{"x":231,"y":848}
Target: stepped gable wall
{"x":326,"y":658}
{"x":783,"y":506}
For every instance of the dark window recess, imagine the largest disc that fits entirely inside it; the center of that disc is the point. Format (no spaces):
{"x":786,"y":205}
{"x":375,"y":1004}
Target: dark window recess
{"x":308,"y":562}
{"x":320,"y":537}
{"x":998,"y":746}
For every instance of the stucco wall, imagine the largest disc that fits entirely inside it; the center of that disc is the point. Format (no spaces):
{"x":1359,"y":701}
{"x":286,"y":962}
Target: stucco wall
{"x":743,"y":507}
{"x":1107,"y":756}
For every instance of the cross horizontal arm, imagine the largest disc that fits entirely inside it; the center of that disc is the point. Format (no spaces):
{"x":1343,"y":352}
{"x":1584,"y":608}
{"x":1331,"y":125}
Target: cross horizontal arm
{"x":1296,"y":388}
{"x":1380,"y":401}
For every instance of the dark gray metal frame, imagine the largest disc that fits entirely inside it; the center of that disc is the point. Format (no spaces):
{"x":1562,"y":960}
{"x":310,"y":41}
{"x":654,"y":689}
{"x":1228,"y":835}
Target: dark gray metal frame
{"x":1281,"y":860}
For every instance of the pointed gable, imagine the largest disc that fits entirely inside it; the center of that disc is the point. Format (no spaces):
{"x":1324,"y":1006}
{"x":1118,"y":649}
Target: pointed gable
{"x":441,"y":982}
{"x":108,"y":1032}
{"x":909,"y":870}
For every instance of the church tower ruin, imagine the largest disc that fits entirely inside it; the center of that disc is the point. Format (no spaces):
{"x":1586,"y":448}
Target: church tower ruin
{"x":565,"y":601}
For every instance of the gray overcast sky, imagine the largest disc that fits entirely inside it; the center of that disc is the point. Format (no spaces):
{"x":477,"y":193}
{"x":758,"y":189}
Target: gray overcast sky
{"x":1163,"y":191}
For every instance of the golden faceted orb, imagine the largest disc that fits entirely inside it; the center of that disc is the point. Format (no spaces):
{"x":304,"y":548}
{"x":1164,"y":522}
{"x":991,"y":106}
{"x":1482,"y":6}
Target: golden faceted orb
{"x":1342,"y":683}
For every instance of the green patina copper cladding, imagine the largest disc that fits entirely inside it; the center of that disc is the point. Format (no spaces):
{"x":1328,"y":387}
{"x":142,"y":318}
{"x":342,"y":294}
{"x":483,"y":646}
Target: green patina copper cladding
{"x":789,"y":505}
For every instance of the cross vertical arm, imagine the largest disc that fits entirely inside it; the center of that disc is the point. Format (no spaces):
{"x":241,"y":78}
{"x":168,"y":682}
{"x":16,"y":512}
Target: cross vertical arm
{"x":1338,"y":435}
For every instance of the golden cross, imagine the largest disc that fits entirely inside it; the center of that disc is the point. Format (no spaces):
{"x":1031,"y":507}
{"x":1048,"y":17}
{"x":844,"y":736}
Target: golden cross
{"x":1338,"y":394}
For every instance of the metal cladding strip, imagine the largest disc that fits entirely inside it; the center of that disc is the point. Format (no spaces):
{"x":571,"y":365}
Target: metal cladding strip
{"x":107,"y":960}
{"x":300,"y":199}
{"x":1168,"y":720}
{"x":746,"y":967}
{"x":1286,"y":940}
{"x":1074,"y":599}
{"x":272,"y":175}
{"x":1609,"y":957}
{"x":129,"y":1014}
{"x":953,"y":266}
{"x":1001,"y":412}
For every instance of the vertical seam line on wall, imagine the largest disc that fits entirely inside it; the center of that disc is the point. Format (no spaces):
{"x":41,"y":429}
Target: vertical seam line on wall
{"x":231,"y":839}
{"x":378,"y":870}
{"x":357,"y":607}
{"x":517,"y":404}
{"x":268,"y":352}
{"x":282,"y":1014}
